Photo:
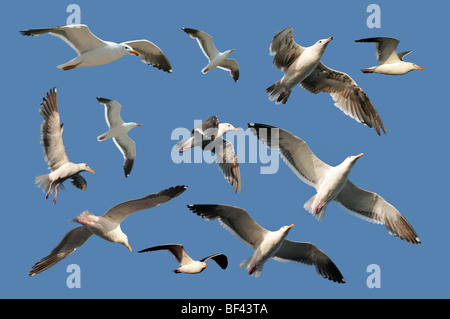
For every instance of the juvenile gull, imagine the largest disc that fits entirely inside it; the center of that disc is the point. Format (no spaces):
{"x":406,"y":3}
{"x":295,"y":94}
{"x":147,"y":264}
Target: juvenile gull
{"x":55,"y":152}
{"x":106,"y":226}
{"x":302,"y":65}
{"x":390,"y":62}
{"x":215,"y":58}
{"x":188,"y":265}
{"x":118,"y":130}
{"x":268,"y":244}
{"x":93,"y":51}
{"x":332,"y":183}
{"x":208,"y":136}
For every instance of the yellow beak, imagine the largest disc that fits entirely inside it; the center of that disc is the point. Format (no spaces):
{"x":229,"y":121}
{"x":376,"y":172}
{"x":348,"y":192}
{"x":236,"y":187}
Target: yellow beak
{"x":91,"y":170}
{"x":129,"y":247}
{"x":420,"y":68}
{"x":290,"y":226}
{"x":359,"y":155}
{"x":135,"y":53}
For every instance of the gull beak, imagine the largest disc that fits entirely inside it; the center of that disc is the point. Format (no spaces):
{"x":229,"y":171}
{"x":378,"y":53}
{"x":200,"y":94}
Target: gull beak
{"x":236,"y":130}
{"x":91,"y":170}
{"x":135,"y":53}
{"x":231,"y":50}
{"x":290,"y":226}
{"x":129,"y":247}
{"x":419,"y":68}
{"x":138,"y":124}
{"x":206,"y":266}
{"x":329,"y":39}
{"x":359,"y":155}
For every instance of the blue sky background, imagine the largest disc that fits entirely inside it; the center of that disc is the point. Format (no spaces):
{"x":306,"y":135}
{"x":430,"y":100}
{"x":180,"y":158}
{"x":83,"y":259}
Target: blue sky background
{"x":408,"y":166}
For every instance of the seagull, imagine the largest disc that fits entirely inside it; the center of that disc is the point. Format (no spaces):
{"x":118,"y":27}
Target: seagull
{"x":55,"y":152}
{"x":208,"y":136}
{"x":303,"y":66}
{"x":188,"y":265}
{"x":268,"y":244}
{"x":94,"y":51}
{"x":332,"y":183}
{"x":390,"y":62}
{"x":216,"y":58}
{"x":118,"y":132}
{"x":106,"y":226}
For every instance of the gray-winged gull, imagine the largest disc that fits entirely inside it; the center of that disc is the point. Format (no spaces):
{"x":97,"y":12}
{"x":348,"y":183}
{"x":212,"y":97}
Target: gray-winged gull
{"x":93,"y":51}
{"x":390,"y":62}
{"x":332,"y":183}
{"x":215,"y":58}
{"x":188,"y":265}
{"x":118,"y":130}
{"x":106,"y":226}
{"x":55,"y":152}
{"x":302,"y":65}
{"x":268,"y":244}
{"x":208,"y":136}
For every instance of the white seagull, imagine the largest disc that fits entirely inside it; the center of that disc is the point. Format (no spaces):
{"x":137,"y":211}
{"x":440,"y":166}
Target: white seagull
{"x":390,"y":62}
{"x":208,"y":135}
{"x":118,"y":130}
{"x":94,"y":51}
{"x":332,"y":183}
{"x":188,"y":265}
{"x":216,"y":58}
{"x":106,"y":226}
{"x":268,"y":244}
{"x":302,"y":66}
{"x":55,"y":152}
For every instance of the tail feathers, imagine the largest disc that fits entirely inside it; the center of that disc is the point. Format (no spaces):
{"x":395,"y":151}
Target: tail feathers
{"x":44,"y":182}
{"x":279,"y":92}
{"x":315,"y":209}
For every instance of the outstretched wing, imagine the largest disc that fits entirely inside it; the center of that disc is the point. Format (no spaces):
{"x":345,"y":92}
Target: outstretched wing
{"x":51,"y":132}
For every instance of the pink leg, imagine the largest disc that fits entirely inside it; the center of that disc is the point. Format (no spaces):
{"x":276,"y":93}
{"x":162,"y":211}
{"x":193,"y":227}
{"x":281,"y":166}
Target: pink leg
{"x":84,"y":222}
{"x":318,"y":208}
{"x":56,"y":194}
{"x":49,"y":189}
{"x":252,"y":269}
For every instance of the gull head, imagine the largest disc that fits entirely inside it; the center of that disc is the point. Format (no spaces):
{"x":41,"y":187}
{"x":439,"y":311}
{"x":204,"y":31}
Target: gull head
{"x":129,"y":50}
{"x":286,"y":229}
{"x":351,"y":160}
{"x":124,"y":241}
{"x":85,"y":167}
{"x":322,"y":44}
{"x":228,"y":52}
{"x":225,"y":127}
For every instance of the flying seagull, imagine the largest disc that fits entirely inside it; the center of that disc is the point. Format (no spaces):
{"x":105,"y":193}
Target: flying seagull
{"x":55,"y":152}
{"x":118,"y":130}
{"x":94,"y":51}
{"x":332,"y":183}
{"x":208,"y":135}
{"x":215,"y":58}
{"x":301,"y":65}
{"x":390,"y":62}
{"x":268,"y":244}
{"x":188,"y":265}
{"x":106,"y":226}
